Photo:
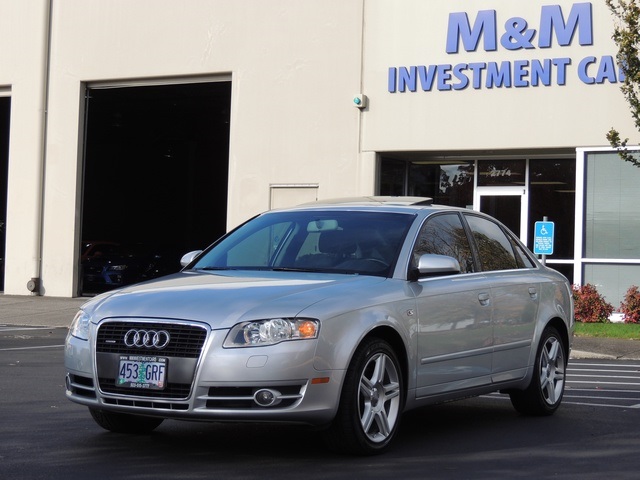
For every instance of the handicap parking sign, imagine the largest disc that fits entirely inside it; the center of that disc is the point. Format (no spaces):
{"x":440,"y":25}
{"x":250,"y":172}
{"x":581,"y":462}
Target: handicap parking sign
{"x":543,"y":238}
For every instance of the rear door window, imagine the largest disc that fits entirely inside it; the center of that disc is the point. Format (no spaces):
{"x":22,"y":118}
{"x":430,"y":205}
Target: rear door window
{"x":494,"y":247}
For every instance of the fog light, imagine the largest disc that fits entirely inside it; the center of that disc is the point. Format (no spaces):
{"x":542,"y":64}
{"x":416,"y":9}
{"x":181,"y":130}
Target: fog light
{"x":266,"y":397}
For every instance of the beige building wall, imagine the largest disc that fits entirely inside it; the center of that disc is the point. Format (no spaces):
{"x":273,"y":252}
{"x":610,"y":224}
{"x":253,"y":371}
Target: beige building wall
{"x":295,"y":66}
{"x":414,"y":33}
{"x":23,"y":37}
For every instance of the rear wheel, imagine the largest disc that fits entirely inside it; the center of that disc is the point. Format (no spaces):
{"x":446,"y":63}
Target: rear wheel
{"x":371,"y":402}
{"x":544,"y":393}
{"x":124,"y":422}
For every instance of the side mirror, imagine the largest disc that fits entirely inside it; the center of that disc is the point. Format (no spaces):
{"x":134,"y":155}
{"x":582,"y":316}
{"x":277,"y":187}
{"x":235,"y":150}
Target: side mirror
{"x":431,"y":265}
{"x":187,"y":258}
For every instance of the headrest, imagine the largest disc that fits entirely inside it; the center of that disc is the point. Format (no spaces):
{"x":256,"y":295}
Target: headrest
{"x":337,"y":242}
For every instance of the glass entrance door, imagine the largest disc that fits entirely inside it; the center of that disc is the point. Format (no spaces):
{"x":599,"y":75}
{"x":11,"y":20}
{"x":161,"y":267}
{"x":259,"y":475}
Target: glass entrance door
{"x":506,"y":204}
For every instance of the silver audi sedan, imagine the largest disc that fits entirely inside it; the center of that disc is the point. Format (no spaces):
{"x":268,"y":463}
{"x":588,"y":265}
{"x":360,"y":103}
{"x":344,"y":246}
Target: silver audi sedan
{"x":340,"y":315}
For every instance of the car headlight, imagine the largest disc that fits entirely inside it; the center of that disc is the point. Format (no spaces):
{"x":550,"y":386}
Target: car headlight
{"x":271,"y":331}
{"x":80,"y":326}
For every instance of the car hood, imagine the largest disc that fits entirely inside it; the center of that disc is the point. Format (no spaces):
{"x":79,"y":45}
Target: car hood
{"x":223,"y":299}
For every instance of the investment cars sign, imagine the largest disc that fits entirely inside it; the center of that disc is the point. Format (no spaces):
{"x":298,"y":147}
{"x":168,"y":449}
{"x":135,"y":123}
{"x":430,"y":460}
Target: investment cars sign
{"x":554,"y":27}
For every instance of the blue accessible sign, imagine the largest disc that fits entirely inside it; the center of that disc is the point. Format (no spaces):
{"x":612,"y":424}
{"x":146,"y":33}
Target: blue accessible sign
{"x":543,"y":238}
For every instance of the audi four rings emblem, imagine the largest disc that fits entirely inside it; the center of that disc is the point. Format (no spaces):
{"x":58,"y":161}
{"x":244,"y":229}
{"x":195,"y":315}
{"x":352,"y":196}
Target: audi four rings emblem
{"x":147,"y":339}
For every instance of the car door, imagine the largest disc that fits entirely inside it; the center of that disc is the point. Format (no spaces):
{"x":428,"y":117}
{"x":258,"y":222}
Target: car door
{"x":515,"y":296}
{"x":455,"y":335}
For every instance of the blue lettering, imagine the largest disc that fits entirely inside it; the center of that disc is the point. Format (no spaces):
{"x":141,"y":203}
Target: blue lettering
{"x":458,"y":72}
{"x":552,"y":20}
{"x":407,"y":78}
{"x":541,"y":73}
{"x":520,"y":73}
{"x":561,"y":63}
{"x":444,"y":76}
{"x":582,"y":70}
{"x":427,"y":74}
{"x":498,"y":76}
{"x":517,"y":35}
{"x":606,"y":70}
{"x":477,"y":69}
{"x":391,"y":79}
{"x":459,"y":28}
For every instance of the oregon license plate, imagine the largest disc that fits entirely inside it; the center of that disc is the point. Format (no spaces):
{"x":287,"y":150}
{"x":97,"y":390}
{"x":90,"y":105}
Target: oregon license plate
{"x":142,"y":371}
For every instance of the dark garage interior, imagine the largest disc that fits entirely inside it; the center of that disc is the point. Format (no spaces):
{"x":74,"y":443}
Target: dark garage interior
{"x":5,"y":115}
{"x":155,"y":179}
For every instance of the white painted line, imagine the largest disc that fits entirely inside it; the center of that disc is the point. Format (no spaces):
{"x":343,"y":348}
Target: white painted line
{"x":20,"y":329}
{"x":603,"y":383}
{"x":29,"y":348}
{"x":604,"y":365}
{"x":597,"y":397}
{"x":599,"y":405}
{"x":634,"y":369}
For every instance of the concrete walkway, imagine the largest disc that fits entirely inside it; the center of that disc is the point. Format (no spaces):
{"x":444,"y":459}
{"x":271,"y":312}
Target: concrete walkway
{"x":58,"y":312}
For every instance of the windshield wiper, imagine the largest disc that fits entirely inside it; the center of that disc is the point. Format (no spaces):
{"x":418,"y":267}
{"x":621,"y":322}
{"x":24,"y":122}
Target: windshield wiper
{"x":217,"y":268}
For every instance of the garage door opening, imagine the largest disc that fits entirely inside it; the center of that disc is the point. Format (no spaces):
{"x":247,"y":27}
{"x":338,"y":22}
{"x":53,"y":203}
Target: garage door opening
{"x":5,"y":115}
{"x":155,"y":184}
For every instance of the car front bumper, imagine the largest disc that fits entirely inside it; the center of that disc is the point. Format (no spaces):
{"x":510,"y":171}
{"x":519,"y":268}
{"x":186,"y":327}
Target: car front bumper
{"x":220,"y":384}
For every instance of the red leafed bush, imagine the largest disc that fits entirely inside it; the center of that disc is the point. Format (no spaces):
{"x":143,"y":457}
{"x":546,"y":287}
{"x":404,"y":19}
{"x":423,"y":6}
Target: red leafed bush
{"x":630,"y":305}
{"x":589,"y":305}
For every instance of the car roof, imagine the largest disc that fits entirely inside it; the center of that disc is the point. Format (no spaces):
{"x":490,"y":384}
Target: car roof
{"x":377,"y":203}
{"x":374,"y":200}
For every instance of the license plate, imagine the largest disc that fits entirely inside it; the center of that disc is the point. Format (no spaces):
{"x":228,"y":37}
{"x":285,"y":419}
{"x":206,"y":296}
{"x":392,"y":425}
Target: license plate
{"x":142,"y":371}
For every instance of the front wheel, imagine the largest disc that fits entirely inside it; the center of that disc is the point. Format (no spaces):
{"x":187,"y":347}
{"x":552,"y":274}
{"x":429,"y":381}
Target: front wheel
{"x":544,"y":393}
{"x":124,"y":422}
{"x":371,"y":402}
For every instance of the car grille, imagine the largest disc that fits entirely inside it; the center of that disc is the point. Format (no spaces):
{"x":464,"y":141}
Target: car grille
{"x":186,"y":344}
{"x":186,"y":340}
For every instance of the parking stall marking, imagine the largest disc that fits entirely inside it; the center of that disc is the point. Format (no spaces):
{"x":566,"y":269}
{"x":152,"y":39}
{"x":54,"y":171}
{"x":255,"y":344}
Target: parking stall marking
{"x":611,"y":384}
{"x":16,"y":338}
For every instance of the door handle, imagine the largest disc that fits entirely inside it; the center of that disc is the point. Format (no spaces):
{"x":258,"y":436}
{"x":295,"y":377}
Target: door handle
{"x":484,"y":299}
{"x":533,"y":292}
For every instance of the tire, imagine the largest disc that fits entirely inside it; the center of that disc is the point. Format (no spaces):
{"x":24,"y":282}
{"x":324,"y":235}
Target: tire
{"x":544,"y":394}
{"x":371,"y":402}
{"x":125,"y":422}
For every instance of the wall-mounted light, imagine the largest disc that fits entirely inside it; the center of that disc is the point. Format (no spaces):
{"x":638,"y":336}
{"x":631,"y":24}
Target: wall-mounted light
{"x":360,"y":101}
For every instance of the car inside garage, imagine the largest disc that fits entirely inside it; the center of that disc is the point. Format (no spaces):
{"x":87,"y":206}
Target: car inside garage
{"x":155,"y":179}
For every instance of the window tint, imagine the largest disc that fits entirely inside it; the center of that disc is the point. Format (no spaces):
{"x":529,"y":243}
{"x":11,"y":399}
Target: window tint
{"x":445,"y":235}
{"x":524,"y":261}
{"x":344,"y":242}
{"x":494,"y":248}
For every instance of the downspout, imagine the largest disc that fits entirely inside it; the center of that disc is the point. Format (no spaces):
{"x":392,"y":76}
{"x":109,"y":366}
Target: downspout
{"x":34,"y":285}
{"x":366,"y":178}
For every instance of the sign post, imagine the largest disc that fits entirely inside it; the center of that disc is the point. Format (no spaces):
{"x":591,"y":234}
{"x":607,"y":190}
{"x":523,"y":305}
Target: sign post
{"x":543,"y":239}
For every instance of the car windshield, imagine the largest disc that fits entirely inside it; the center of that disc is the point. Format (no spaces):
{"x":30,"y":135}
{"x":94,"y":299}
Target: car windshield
{"x":352,"y":242}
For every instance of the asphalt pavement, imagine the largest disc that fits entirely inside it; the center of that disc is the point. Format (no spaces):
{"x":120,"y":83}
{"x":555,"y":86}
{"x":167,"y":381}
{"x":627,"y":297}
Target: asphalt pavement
{"x":40,"y":311}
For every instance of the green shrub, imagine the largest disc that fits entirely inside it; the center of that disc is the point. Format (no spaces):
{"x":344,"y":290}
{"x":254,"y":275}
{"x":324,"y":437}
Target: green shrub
{"x":630,"y":305}
{"x":589,"y":305}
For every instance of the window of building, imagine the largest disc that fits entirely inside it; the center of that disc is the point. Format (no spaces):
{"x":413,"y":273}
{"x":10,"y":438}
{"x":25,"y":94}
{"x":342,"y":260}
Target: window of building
{"x":552,"y":194}
{"x":611,"y":251}
{"x":501,"y":173}
{"x":612,"y":197}
{"x":448,"y":183}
